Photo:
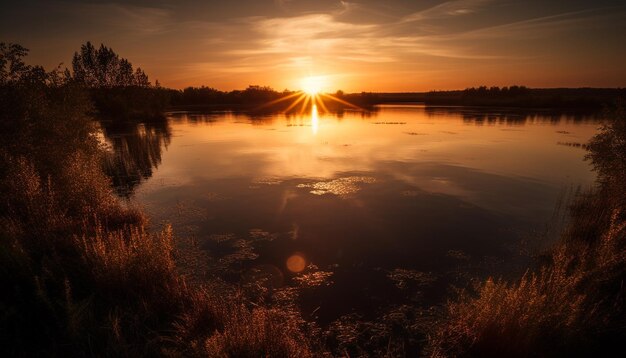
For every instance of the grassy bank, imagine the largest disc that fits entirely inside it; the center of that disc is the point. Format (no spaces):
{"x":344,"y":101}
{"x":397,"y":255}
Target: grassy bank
{"x":80,"y":273}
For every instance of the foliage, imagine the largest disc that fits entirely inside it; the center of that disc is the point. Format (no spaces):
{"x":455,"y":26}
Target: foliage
{"x":103,"y":68}
{"x":207,"y":96}
{"x":116,"y":89}
{"x":124,"y":103}
{"x":608,"y":154}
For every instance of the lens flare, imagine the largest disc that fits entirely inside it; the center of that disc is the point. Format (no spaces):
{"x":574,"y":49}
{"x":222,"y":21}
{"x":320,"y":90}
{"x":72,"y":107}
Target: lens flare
{"x":296,"y":263}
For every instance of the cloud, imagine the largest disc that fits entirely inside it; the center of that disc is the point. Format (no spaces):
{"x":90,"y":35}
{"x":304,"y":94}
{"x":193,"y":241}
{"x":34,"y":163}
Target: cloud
{"x":193,"y":43}
{"x":447,"y":9}
{"x":323,"y":36}
{"x":546,"y":26}
{"x":131,"y":20}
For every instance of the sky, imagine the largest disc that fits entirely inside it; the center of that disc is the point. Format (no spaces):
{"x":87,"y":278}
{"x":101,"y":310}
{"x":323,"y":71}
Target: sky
{"x":355,"y":45}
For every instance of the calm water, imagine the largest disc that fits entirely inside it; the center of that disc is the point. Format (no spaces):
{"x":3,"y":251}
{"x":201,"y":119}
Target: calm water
{"x":358,"y":210}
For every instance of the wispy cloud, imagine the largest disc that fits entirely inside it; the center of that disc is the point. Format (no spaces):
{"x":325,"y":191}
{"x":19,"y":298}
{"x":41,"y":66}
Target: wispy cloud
{"x":447,"y":9}
{"x":544,"y":26}
{"x":132,"y":19}
{"x":324,"y":36}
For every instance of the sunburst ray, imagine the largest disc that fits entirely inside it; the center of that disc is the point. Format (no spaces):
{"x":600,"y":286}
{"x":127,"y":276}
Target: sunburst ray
{"x":295,"y":103}
{"x":331,"y":97}
{"x":319,"y":101}
{"x":305,"y":104}
{"x":282,"y":99}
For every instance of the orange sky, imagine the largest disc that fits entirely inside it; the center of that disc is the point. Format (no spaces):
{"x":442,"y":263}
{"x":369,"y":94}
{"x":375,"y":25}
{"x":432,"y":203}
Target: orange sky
{"x":395,"y":45}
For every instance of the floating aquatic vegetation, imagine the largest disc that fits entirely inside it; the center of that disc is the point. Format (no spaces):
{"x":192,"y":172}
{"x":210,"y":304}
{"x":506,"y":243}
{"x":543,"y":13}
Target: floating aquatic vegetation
{"x":285,"y":296}
{"x":266,"y":181}
{"x":340,"y":186}
{"x":243,"y":251}
{"x":398,"y":332}
{"x":230,"y":249}
{"x":262,"y":235}
{"x":261,"y":281}
{"x":314,"y":279}
{"x":256,"y":183}
{"x":404,"y":278}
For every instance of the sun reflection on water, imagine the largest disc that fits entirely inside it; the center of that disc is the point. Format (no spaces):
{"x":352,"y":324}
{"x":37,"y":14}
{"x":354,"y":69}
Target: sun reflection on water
{"x":315,"y":121}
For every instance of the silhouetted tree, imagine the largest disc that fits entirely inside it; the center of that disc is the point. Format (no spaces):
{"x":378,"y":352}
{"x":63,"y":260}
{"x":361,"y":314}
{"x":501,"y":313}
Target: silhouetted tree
{"x":117,"y":89}
{"x":12,"y":68}
{"x":103,"y":68}
{"x":141,"y":79}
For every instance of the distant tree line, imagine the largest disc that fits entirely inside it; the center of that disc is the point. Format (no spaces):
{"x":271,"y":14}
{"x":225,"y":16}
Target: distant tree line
{"x":261,"y":98}
{"x":208,"y":96}
{"x":255,"y":97}
{"x":513,"y":96}
{"x":520,"y":96}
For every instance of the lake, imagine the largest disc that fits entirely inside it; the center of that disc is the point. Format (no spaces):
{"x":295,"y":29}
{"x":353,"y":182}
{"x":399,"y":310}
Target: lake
{"x":357,"y":210}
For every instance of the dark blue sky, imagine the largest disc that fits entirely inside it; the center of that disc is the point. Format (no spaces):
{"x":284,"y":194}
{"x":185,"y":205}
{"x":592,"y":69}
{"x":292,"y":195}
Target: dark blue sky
{"x":393,"y":45}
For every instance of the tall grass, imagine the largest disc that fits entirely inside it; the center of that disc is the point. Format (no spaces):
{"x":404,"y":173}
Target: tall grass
{"x":95,"y":282}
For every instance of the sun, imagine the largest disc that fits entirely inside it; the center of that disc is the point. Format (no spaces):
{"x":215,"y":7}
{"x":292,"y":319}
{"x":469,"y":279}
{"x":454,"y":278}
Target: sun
{"x":312,"y":85}
{"x":312,"y":96}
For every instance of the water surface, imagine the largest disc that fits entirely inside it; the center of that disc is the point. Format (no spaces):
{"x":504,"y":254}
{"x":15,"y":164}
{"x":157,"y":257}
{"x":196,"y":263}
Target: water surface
{"x":360,"y":210}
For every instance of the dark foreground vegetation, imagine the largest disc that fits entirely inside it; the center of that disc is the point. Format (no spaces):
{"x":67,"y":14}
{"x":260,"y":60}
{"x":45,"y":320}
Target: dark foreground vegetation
{"x":82,"y":275}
